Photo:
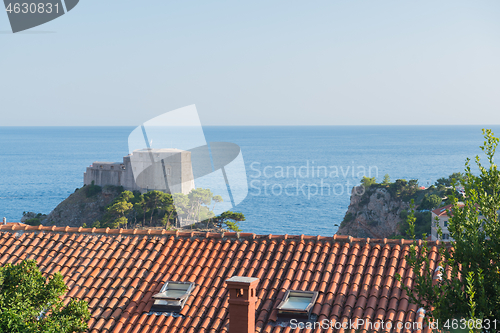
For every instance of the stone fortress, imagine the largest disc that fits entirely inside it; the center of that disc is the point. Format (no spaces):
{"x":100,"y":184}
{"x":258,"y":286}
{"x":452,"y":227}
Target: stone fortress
{"x":167,"y":170}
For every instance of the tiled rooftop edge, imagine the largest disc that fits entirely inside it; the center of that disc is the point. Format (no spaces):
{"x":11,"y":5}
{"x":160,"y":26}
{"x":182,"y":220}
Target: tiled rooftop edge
{"x":215,"y":235}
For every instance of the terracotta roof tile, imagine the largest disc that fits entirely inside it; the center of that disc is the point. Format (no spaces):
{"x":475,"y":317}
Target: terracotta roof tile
{"x":118,"y":271}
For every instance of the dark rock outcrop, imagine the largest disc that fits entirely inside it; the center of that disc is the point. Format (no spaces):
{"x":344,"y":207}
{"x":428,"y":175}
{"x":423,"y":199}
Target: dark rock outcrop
{"x":78,"y":209}
{"x":373,"y":213}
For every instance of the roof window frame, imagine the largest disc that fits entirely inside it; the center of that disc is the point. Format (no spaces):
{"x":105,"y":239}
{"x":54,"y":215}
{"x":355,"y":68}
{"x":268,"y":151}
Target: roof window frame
{"x":297,"y":312}
{"x":165,"y":303}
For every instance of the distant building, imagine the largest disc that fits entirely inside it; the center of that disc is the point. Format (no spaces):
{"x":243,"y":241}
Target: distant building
{"x":167,"y":170}
{"x":443,"y":222}
{"x":461,"y":190}
{"x":443,"y":217}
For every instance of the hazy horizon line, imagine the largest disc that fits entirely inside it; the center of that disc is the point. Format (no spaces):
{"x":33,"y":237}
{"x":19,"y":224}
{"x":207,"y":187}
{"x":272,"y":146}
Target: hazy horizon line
{"x":357,"y":125}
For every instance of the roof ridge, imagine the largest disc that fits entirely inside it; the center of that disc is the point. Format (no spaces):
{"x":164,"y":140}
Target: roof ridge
{"x":214,"y":235}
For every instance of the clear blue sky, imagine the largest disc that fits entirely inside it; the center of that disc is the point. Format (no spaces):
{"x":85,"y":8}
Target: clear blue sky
{"x":332,"y":62}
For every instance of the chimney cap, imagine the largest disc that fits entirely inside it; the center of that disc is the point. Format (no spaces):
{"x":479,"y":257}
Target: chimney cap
{"x":242,"y":279}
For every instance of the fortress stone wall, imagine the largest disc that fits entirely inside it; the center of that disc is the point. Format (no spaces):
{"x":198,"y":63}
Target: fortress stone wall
{"x":167,"y":170}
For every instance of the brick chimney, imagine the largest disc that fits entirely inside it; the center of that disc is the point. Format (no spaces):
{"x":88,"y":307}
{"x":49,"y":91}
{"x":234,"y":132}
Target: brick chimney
{"x":242,"y":299}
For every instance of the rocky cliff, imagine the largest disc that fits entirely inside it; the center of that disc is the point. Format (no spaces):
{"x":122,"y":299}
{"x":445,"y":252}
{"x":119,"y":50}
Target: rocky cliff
{"x":82,"y":207}
{"x":373,"y":213}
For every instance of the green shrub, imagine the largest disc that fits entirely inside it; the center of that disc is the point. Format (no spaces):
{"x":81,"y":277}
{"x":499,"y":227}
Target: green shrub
{"x":422,"y":224}
{"x":113,"y":188}
{"x":348,"y":217}
{"x":367,"y":182}
{"x":457,"y":176}
{"x":430,"y":202}
{"x":34,"y":221}
{"x":92,"y":190}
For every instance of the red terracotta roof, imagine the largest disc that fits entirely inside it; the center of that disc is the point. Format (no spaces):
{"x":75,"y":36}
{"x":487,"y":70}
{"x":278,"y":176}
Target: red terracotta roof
{"x":441,"y":211}
{"x":117,"y":271}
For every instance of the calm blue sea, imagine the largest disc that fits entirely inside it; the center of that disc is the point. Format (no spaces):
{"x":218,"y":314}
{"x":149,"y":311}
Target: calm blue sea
{"x":299,"y":177}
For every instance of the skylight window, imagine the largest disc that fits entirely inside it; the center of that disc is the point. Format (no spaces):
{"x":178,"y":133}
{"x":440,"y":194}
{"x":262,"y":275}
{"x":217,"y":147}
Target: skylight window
{"x":172,"y":296}
{"x":297,"y":303}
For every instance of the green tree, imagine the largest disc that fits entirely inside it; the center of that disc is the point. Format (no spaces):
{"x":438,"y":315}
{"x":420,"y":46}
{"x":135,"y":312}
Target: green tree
{"x":181,"y":202}
{"x":152,"y":200}
{"x":412,"y":187}
{"x":166,"y":206}
{"x":470,"y":288}
{"x":367,"y":182}
{"x":35,"y":219}
{"x":197,"y":198}
{"x":457,"y":176}
{"x":387,"y":179}
{"x":92,"y":189}
{"x":139,"y":207}
{"x":413,"y":183}
{"x":119,"y":208}
{"x":116,"y":212}
{"x":216,"y":199}
{"x":430,"y":201}
{"x":230,"y":220}
{"x":404,"y":188}
{"x":205,"y":214}
{"x":117,"y":223}
{"x":423,"y":223}
{"x":32,"y":303}
{"x":155,"y":204}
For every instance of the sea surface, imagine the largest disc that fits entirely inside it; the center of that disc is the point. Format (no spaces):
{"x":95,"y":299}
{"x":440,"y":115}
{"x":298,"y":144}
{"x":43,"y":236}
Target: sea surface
{"x":299,"y":178}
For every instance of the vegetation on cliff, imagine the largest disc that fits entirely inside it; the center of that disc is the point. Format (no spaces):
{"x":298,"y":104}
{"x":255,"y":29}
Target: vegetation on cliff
{"x":424,"y":198}
{"x":156,"y":208}
{"x":113,"y":207}
{"x":381,"y":209}
{"x":31,"y":218}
